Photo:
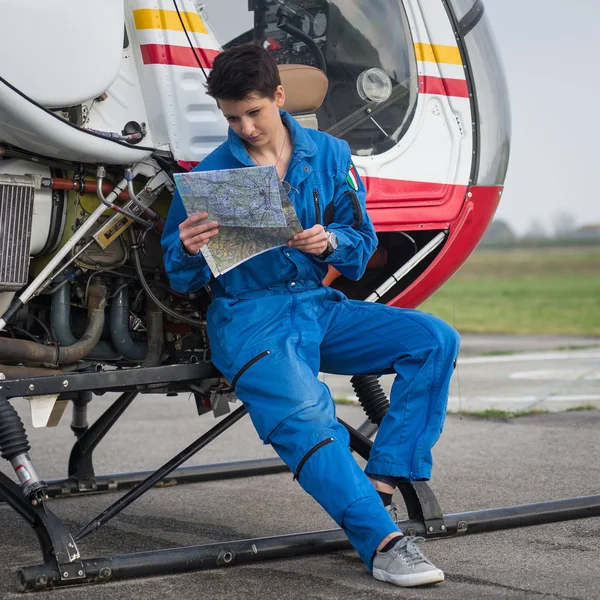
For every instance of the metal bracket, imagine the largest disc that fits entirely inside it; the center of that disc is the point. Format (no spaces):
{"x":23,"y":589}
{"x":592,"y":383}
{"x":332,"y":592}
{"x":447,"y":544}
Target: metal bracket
{"x":58,"y":546}
{"x":422,"y":505}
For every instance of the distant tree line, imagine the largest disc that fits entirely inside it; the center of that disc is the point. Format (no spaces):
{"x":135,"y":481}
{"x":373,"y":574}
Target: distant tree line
{"x":564,"y":231}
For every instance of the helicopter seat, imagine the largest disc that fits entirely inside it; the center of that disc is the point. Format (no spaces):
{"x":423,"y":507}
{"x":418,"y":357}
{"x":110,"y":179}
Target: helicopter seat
{"x":305,"y":89}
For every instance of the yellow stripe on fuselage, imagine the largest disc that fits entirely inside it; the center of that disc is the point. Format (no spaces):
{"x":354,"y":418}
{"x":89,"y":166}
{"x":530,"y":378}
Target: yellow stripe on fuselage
{"x":436,"y":53}
{"x":149,"y":18}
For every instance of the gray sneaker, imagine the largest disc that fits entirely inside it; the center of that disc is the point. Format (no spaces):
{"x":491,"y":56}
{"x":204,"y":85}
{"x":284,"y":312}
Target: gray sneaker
{"x":405,"y":565}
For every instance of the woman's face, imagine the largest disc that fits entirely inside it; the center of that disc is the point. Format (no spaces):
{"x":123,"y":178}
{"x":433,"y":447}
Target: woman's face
{"x":255,"y":119}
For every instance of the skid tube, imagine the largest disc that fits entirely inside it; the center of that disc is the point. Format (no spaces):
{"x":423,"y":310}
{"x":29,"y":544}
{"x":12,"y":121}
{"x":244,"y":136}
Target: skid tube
{"x":221,"y":554}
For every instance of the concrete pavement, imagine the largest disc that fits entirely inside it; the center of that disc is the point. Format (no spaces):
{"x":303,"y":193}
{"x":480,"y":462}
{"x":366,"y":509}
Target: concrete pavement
{"x":479,"y":464}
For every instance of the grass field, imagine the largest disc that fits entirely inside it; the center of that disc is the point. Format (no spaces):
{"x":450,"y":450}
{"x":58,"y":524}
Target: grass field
{"x":532,"y":291}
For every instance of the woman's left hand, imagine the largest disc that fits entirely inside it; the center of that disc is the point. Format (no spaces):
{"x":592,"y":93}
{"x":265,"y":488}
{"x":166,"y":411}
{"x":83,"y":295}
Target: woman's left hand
{"x":313,"y":240}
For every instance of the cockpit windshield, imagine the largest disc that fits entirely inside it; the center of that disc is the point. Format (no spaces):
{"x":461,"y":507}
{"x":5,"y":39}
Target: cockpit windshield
{"x":364,"y":46}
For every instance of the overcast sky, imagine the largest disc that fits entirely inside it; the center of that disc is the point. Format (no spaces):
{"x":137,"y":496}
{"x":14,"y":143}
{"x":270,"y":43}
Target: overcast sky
{"x":551,"y":50}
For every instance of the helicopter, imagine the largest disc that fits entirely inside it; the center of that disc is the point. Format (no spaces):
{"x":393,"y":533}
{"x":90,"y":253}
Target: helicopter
{"x":87,"y":165}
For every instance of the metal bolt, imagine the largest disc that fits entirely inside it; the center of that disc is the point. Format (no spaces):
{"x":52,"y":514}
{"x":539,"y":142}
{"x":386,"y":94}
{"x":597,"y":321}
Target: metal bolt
{"x":65,"y":383}
{"x":443,"y":528}
{"x":41,"y":580}
{"x":66,"y":574}
{"x":430,"y":529}
{"x":411,"y":531}
{"x":461,"y":526}
{"x":31,"y":387}
{"x":105,"y":573}
{"x":80,"y":573}
{"x":34,"y":503}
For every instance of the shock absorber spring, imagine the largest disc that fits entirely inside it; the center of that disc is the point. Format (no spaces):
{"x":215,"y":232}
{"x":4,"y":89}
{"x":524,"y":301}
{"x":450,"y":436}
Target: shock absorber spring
{"x":14,"y":447}
{"x":371,"y":397}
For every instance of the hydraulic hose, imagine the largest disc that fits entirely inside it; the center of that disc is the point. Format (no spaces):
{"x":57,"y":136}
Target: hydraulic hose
{"x":138,"y":265}
{"x":371,"y":397}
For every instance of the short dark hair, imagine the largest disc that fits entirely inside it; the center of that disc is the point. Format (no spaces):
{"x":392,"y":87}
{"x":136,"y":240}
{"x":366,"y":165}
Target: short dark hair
{"x":241,"y":70}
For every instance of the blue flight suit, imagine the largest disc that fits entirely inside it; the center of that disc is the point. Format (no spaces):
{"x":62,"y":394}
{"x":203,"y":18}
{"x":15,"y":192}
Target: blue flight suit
{"x":273,"y":326}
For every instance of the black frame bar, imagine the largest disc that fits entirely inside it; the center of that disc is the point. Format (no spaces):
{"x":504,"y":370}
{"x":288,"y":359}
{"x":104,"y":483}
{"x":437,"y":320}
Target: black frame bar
{"x":63,"y":565}
{"x":116,"y":482}
{"x":211,"y":556}
{"x":154,"y":379}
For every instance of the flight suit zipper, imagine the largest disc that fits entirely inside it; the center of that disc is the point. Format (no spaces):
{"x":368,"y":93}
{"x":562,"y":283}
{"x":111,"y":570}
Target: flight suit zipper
{"x":310,"y":453}
{"x":317,"y":207}
{"x":248,"y":365}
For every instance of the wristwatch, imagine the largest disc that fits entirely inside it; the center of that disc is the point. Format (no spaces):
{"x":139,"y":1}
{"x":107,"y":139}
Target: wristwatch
{"x":332,"y":244}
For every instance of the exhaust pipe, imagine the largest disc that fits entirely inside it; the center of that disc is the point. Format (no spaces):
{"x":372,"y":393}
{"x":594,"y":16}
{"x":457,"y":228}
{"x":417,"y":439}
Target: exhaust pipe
{"x":24,"y":351}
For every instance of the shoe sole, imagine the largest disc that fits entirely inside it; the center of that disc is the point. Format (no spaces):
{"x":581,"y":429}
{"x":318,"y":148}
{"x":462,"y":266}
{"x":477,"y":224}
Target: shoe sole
{"x":411,"y":580}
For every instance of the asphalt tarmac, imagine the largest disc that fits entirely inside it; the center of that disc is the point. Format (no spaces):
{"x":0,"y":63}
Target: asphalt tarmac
{"x":479,"y":464}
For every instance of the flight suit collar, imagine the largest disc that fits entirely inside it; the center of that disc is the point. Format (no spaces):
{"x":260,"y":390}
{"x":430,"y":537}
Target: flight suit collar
{"x":302,"y":143}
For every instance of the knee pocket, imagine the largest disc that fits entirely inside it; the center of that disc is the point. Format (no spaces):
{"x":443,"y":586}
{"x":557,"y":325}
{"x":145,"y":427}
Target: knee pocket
{"x":329,"y":473}
{"x":269,"y":385}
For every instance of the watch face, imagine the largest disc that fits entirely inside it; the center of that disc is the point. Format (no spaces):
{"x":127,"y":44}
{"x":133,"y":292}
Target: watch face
{"x":332,"y":240}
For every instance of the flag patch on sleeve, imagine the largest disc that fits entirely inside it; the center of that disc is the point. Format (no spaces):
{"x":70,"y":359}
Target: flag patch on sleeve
{"x":352,"y":178}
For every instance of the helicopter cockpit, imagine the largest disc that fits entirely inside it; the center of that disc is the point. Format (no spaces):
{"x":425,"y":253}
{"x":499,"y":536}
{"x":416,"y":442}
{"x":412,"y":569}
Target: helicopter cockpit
{"x":367,"y":55}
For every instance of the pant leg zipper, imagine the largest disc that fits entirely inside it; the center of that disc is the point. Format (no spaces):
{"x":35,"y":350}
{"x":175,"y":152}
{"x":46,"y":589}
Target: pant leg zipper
{"x":310,"y":453}
{"x":248,"y":365}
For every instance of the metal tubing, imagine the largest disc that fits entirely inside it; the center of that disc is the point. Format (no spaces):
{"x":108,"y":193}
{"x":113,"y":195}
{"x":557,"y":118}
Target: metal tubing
{"x":181,"y":560}
{"x":155,"y":333}
{"x":80,"y":460}
{"x":159,"y":474}
{"x":210,"y":556}
{"x":60,"y":319}
{"x":93,"y":331}
{"x":22,"y":350}
{"x":35,"y":285}
{"x":524,"y":515}
{"x":119,"y":327}
{"x":118,"y":482}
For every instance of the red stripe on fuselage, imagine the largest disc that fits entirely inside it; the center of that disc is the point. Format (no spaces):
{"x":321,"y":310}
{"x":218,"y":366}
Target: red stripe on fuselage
{"x":415,"y":204}
{"x":181,"y":56}
{"x":456,"y":88}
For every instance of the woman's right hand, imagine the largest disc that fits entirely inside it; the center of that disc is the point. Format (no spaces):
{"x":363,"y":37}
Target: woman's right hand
{"x":193,"y":235}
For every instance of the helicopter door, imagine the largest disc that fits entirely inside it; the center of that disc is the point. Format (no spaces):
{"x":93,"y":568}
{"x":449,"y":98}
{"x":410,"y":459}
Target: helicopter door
{"x":397,"y":93}
{"x":421,"y":182}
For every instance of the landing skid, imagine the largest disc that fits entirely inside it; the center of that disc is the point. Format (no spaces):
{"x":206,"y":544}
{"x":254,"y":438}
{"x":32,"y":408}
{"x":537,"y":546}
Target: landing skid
{"x":62,"y":564}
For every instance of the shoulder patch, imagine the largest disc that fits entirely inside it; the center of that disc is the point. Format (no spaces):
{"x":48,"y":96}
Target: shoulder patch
{"x":352,"y":178}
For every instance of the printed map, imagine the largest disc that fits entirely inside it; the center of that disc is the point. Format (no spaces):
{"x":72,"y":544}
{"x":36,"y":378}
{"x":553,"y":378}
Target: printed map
{"x":251,"y":207}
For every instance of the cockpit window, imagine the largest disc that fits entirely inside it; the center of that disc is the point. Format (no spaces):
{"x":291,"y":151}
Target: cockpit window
{"x":364,"y":46}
